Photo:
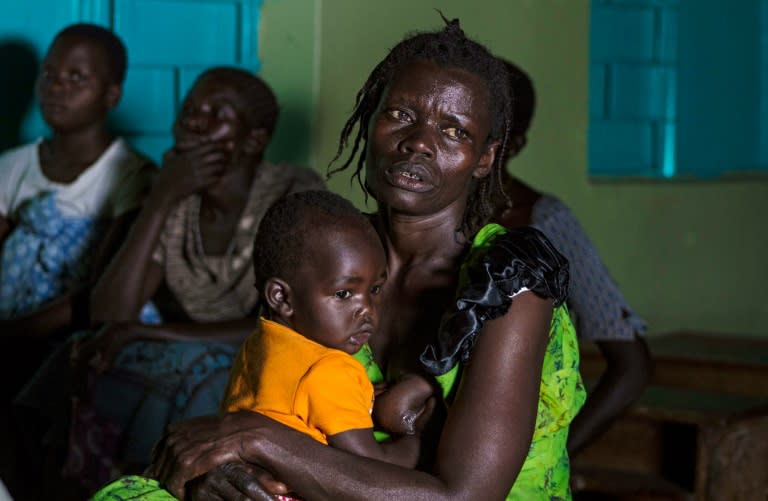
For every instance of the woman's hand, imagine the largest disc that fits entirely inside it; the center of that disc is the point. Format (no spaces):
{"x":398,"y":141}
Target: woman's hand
{"x":191,"y":167}
{"x":99,"y":350}
{"x":192,"y":448}
{"x":405,"y":407}
{"x":235,"y":482}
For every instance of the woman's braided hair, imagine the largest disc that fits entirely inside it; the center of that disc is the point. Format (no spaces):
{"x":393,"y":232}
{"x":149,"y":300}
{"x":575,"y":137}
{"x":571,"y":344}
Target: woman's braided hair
{"x":449,"y":48}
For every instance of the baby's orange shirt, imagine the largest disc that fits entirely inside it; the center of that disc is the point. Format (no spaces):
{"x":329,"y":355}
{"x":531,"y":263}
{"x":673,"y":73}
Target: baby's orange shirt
{"x":316,"y":390}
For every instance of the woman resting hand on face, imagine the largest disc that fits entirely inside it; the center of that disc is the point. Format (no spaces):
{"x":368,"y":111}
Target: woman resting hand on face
{"x":476,"y":306}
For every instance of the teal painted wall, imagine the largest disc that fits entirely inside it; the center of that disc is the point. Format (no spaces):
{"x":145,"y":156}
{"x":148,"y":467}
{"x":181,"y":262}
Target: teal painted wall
{"x":169,"y":43}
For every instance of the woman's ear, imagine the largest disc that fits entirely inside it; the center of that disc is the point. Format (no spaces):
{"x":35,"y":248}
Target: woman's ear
{"x":114,"y":93}
{"x":485,"y":163}
{"x":518,"y":143}
{"x":256,"y":141}
{"x":278,"y":296}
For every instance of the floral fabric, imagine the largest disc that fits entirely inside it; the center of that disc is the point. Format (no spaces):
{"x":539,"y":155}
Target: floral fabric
{"x":47,"y":254}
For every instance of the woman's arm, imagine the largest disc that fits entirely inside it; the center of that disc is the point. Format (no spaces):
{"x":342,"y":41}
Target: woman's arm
{"x":130,"y":279}
{"x":482,"y":447}
{"x":627,"y":372}
{"x":131,"y":276}
{"x":100,"y":351}
{"x":403,"y":451}
{"x":229,"y":331}
{"x":490,"y":424}
{"x":51,"y":319}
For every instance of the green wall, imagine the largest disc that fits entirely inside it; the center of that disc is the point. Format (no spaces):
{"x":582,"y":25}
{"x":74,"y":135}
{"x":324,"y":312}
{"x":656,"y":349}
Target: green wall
{"x":287,"y":53}
{"x":688,"y":255}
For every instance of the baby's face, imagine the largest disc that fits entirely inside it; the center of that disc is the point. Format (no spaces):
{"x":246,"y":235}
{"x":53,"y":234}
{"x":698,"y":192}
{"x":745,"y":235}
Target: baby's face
{"x":73,"y":88}
{"x":337,"y":290}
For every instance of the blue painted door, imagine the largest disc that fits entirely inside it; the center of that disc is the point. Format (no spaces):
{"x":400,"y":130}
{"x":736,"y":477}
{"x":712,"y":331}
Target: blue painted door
{"x":169,"y":43}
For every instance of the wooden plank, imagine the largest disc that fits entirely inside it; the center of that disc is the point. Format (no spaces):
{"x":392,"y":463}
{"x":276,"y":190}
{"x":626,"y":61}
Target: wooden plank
{"x":660,"y":403}
{"x":631,"y":444}
{"x":680,"y":444}
{"x":735,"y":465}
{"x":625,"y":485}
{"x":730,"y":365}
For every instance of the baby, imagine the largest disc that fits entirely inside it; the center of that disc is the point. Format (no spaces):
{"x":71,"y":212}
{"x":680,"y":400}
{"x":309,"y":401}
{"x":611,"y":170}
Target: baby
{"x":319,"y":267}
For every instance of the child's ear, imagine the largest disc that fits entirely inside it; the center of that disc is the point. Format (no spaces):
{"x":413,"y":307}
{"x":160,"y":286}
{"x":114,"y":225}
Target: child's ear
{"x":279,"y":298}
{"x":114,"y":93}
{"x":256,"y":141}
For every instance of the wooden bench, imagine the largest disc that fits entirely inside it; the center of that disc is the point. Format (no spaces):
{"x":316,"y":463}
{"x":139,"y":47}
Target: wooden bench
{"x":699,"y":432}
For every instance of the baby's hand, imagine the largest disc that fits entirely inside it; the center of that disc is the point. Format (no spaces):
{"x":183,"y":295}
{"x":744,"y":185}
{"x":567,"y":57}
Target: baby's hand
{"x":406,"y":406}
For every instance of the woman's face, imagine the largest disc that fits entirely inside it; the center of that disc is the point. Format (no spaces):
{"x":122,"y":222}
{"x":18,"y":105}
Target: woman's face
{"x":428,"y":139}
{"x":210,"y":113}
{"x":73,"y":87}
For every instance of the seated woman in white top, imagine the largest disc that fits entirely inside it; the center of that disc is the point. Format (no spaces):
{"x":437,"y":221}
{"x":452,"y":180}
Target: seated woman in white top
{"x":59,"y":195}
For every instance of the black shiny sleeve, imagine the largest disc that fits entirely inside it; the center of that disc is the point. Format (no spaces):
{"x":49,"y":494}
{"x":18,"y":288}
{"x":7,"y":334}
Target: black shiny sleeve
{"x":517,"y":260}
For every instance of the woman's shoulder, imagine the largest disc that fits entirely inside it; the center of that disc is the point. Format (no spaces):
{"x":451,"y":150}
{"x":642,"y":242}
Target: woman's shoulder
{"x":125,"y":154}
{"x":22,"y":151}
{"x":19,"y":158}
{"x":515,"y":260}
{"x":501,"y":264}
{"x":17,"y":166}
{"x":116,"y":165}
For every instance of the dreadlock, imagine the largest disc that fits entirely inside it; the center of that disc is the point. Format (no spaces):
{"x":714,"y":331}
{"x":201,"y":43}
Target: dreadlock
{"x":522,"y":108}
{"x":450,"y":48}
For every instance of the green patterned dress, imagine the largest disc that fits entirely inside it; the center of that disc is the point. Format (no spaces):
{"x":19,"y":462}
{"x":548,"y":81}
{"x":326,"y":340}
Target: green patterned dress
{"x":500,"y":264}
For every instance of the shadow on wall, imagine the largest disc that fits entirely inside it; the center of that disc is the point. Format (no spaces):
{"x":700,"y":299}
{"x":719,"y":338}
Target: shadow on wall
{"x":18,"y":70}
{"x":291,"y":140}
